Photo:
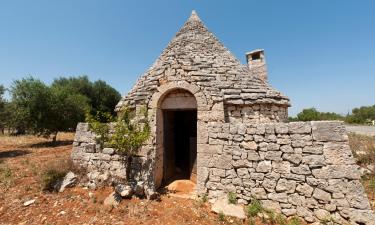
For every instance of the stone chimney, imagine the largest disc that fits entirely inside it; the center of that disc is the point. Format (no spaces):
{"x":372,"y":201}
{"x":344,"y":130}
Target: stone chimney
{"x":256,"y":61}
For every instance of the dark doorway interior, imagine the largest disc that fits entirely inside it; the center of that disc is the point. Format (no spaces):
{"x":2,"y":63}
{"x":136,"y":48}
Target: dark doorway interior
{"x":180,"y":144}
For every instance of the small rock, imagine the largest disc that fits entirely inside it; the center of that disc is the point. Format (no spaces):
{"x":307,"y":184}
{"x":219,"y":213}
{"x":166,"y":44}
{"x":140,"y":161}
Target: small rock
{"x":112,"y":200}
{"x":70,"y":180}
{"x":124,"y":190}
{"x":27,"y":203}
{"x":222,"y":206}
{"x":151,"y":194}
{"x":61,"y":213}
{"x":91,"y":194}
{"x":138,"y":189}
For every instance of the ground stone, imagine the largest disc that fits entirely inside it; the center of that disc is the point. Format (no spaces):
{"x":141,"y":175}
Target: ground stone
{"x":222,"y":206}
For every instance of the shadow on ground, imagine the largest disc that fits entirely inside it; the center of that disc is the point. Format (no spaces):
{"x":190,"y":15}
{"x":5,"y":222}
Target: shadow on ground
{"x":13,"y":153}
{"x":46,"y":144}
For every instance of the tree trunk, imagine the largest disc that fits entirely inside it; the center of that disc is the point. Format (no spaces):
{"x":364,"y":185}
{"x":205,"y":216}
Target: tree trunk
{"x":54,"y":137}
{"x":129,"y":160}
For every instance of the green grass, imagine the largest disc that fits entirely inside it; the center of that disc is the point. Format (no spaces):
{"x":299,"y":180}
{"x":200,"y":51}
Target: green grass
{"x":232,"y":198}
{"x":254,"y":208}
{"x":221,"y":216}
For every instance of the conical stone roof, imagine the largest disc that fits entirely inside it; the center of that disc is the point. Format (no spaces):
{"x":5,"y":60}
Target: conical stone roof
{"x":195,"y":55}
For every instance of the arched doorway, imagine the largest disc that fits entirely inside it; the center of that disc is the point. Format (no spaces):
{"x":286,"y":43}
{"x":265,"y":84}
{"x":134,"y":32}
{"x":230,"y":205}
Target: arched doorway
{"x":179,"y":134}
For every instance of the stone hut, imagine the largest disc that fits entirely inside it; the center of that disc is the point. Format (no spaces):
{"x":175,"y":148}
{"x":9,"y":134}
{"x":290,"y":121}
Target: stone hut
{"x":219,"y":123}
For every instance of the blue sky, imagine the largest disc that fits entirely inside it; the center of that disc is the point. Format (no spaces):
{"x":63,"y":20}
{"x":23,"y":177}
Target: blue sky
{"x":319,"y":53}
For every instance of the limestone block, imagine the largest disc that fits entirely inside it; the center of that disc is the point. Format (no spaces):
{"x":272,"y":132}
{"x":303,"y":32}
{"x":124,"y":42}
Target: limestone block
{"x":322,"y":214}
{"x":296,"y":199}
{"x":259,"y":193}
{"x":321,"y":195}
{"x":316,"y":150}
{"x":272,"y":205}
{"x":223,"y":161}
{"x":328,"y":131}
{"x":284,"y":185}
{"x":281,"y":128}
{"x":273,"y":147}
{"x":108,"y":151}
{"x":302,"y":170}
{"x":251,"y":145}
{"x":279,"y":197}
{"x":264,"y":166}
{"x":293,"y":158}
{"x":273,"y":155}
{"x":289,"y":212}
{"x":287,"y":149}
{"x":299,"y":128}
{"x":305,"y":189}
{"x":243,"y":173}
{"x":281,"y":166}
{"x":269,"y":184}
{"x":314,"y":160}
{"x":338,"y":154}
{"x":253,"y":156}
{"x":336,"y":172}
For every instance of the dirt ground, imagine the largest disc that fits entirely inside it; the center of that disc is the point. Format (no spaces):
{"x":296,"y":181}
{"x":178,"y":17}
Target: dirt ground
{"x":22,"y":161}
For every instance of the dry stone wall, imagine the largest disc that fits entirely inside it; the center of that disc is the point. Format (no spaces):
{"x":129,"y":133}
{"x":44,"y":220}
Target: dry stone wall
{"x":301,"y":168}
{"x":104,"y":165}
{"x":263,"y":113}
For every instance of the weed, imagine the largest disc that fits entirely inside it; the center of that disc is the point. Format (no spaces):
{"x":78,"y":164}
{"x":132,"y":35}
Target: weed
{"x":294,"y":221}
{"x":280,"y":219}
{"x":204,"y":198}
{"x":232,"y":198}
{"x":6,"y":176}
{"x":254,"y":208}
{"x":221,"y":216}
{"x":53,"y":174}
{"x":371,"y":184}
{"x":200,"y":201}
{"x":51,"y":179}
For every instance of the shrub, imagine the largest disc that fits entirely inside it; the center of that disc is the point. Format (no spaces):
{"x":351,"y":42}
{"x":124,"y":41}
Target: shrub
{"x":128,"y":135}
{"x":51,"y":178}
{"x":254,"y":208}
{"x":54,"y":173}
{"x":232,"y":198}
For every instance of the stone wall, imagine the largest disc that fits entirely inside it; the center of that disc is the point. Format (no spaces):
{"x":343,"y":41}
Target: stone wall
{"x":303,"y":169}
{"x":262,"y":113}
{"x":103,"y":165}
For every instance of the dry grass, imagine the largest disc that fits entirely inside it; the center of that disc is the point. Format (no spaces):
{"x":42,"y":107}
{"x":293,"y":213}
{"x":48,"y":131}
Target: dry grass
{"x":363,"y":148}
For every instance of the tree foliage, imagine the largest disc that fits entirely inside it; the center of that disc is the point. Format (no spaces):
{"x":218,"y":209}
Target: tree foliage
{"x":45,"y":110}
{"x":2,"y":109}
{"x":311,"y":114}
{"x":362,"y":115}
{"x":101,"y":97}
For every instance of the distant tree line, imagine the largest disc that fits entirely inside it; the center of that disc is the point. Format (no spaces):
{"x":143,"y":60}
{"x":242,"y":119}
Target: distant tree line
{"x":37,"y":108}
{"x":362,"y":115}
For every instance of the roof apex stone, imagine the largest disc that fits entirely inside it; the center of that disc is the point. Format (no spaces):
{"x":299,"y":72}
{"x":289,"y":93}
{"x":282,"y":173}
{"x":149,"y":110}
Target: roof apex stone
{"x":194,"y":16}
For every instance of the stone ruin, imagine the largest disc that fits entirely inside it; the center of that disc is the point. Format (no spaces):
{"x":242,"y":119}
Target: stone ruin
{"x":220,"y":124}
